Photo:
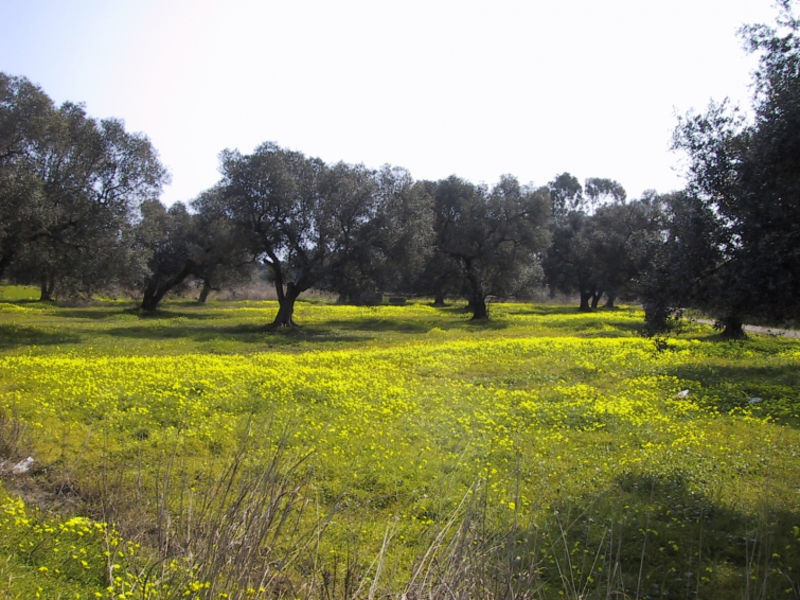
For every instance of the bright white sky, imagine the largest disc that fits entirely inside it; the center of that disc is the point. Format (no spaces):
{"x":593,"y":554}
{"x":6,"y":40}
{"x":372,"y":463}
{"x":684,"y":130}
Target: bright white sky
{"x":477,"y":89}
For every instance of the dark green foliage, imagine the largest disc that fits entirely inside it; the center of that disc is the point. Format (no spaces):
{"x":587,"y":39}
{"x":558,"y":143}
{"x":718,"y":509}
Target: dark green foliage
{"x":70,"y":187}
{"x":748,"y":174}
{"x":344,"y":227}
{"x":492,"y":237}
{"x":166,"y":235}
{"x":570,"y":264}
{"x":604,"y":245}
{"x":566,"y":193}
{"x":181,"y":246}
{"x":685,"y":266}
{"x":273,"y":197}
{"x":387,"y":251}
{"x":599,"y":191}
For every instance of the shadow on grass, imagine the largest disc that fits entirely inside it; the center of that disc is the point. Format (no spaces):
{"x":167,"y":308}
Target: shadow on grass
{"x":770,"y":390}
{"x":200,"y":315}
{"x":15,"y":336}
{"x":101,"y":312}
{"x":383,"y":325}
{"x":163,"y":325}
{"x":599,"y":322}
{"x":493,"y":322}
{"x":677,"y":534}
{"x":255,"y":335}
{"x":599,"y":326}
{"x":656,"y":536}
{"x":555,"y":309}
{"x":26,"y":301}
{"x":94,"y":314}
{"x":415,"y":326}
{"x":787,"y":375}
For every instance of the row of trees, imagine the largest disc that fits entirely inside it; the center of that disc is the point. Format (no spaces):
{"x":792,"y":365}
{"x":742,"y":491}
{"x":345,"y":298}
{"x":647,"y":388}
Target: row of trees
{"x":358,"y":233}
{"x":79,"y":208}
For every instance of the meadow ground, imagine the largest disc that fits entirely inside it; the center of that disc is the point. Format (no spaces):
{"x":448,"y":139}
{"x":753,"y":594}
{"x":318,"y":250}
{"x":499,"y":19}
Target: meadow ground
{"x":392,"y":450}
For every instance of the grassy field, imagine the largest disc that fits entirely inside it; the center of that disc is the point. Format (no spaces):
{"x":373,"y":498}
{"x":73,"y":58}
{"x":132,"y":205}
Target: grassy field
{"x":375,"y":452}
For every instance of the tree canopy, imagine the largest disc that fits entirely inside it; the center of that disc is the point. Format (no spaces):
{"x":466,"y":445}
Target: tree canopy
{"x":493,"y":237}
{"x":71,"y":186}
{"x":80,"y":211}
{"x":747,"y":174}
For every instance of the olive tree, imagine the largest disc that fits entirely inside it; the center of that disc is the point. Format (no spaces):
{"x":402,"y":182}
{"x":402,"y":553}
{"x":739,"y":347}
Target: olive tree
{"x":494,"y":237}
{"x":71,"y":187}
{"x":302,"y":219}
{"x":748,"y":174}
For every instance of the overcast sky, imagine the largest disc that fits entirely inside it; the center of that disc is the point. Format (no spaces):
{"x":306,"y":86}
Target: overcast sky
{"x":476,"y":89}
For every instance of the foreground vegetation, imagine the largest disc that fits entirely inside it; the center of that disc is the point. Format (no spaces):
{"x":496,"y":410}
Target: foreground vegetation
{"x":379,"y":451}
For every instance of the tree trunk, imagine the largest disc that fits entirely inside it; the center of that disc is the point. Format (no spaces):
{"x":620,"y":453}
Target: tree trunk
{"x":585,"y":297}
{"x":596,"y":298}
{"x":610,"y":301}
{"x":655,"y":317}
{"x":477,"y":305}
{"x":734,"y":329}
{"x":204,"y":292}
{"x":47,"y":287}
{"x":157,"y":288}
{"x":5,"y":261}
{"x":153,"y":294}
{"x":438,"y":299}
{"x":476,"y":297}
{"x":284,"y":318}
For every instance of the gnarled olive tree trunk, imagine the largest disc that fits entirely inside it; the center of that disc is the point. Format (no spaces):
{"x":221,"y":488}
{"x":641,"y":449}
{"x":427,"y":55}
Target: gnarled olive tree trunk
{"x":158,"y":286}
{"x":286,"y":300}
{"x":586,"y":296}
{"x":47,"y":287}
{"x":733,"y":328}
{"x":205,"y":291}
{"x":476,"y":294}
{"x":287,"y":293}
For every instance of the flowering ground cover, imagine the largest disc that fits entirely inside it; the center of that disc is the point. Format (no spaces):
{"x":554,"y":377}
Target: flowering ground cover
{"x":394,"y":449}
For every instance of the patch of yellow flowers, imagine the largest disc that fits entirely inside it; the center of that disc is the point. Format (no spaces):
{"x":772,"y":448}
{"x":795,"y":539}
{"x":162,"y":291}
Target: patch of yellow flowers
{"x":401,"y":431}
{"x":380,"y":415}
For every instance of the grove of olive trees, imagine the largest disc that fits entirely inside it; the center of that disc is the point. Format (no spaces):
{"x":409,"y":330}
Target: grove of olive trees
{"x":80,"y":213}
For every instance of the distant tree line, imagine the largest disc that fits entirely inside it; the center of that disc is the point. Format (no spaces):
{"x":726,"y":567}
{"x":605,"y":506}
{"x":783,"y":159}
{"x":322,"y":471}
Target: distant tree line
{"x":80,"y":213}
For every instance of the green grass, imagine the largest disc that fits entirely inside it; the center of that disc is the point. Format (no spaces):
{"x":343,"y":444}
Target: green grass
{"x":17,"y":293}
{"x":406,"y":448}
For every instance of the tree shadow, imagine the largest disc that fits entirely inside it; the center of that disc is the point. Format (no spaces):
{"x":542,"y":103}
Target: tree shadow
{"x":15,"y":336}
{"x":26,"y":301}
{"x":770,"y":390}
{"x":787,"y":374}
{"x":598,"y":326}
{"x":680,"y":536}
{"x":93,"y":314}
{"x":254,"y":335}
{"x":461,"y":308}
{"x":548,"y":310}
{"x":101,"y":312}
{"x":463,"y":312}
{"x":174,"y":314}
{"x":658,"y":536}
{"x":309,"y":334}
{"x":376,"y":324}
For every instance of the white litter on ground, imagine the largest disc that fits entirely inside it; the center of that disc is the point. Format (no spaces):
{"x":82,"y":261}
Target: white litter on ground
{"x":22,"y":466}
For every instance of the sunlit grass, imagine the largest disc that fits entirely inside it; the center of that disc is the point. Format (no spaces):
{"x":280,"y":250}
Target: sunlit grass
{"x":568,"y":425}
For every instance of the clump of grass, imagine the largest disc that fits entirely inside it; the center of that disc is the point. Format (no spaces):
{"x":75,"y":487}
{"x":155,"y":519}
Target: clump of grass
{"x":242,"y":531}
{"x":12,"y":433}
{"x":471,"y":557}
